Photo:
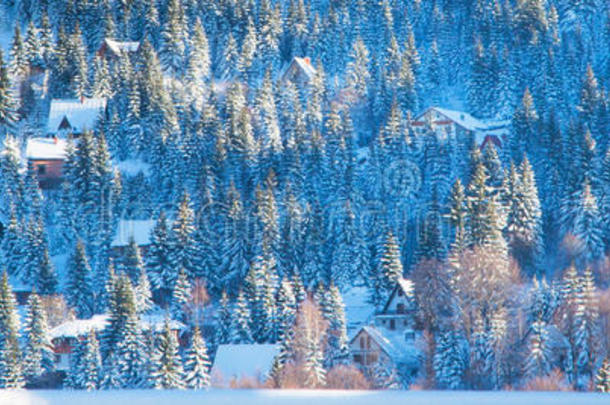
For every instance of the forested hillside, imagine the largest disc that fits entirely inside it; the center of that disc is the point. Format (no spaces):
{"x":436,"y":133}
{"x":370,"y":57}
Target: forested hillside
{"x":283,"y":153}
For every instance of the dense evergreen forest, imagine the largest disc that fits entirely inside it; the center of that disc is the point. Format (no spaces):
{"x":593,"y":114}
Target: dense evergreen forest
{"x":273,"y":198}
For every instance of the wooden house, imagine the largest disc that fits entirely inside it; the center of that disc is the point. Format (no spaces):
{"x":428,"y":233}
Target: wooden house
{"x":73,"y":116}
{"x":47,"y":157}
{"x":390,"y":341}
{"x":300,"y":71}
{"x":114,"y":49}
{"x":450,"y":124}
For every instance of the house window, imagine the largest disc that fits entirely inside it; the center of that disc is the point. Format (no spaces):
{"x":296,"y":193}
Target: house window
{"x":362,"y":342}
{"x":358,"y":358}
{"x":42,"y":169}
{"x":400,"y":308}
{"x":368,"y":342}
{"x":371,"y":358}
{"x":392,"y":324}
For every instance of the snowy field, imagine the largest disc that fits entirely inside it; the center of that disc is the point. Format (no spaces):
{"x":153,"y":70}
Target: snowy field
{"x":300,"y":397}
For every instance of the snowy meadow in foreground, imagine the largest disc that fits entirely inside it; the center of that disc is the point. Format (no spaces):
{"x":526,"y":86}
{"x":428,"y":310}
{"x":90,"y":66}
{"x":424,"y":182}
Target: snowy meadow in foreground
{"x":297,"y":397}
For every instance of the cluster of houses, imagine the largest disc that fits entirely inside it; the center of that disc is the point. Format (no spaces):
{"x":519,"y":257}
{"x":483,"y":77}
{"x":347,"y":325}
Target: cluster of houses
{"x":387,"y":340}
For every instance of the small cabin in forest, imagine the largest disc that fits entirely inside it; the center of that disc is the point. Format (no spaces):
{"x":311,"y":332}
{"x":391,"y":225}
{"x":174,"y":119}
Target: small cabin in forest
{"x":74,"y":116}
{"x":451,"y":124}
{"x":46,"y":156}
{"x":300,"y":71}
{"x":114,"y":49}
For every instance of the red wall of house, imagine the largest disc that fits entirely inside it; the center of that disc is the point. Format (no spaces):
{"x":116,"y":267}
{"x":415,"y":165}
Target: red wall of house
{"x":53,"y":173}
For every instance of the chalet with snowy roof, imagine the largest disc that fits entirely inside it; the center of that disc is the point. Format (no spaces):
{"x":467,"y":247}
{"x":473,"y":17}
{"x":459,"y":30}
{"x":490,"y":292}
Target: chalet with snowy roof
{"x":451,"y":124}
{"x":300,"y":71}
{"x":74,"y":116}
{"x":237,"y":362}
{"x":47,"y":156}
{"x":67,"y":335}
{"x":114,"y":49}
{"x":136,"y":229}
{"x":389,"y":342}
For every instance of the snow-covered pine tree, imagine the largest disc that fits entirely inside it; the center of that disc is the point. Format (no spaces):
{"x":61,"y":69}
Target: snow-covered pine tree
{"x":180,"y":297}
{"x":167,"y":370}
{"x":143,"y":294}
{"x":184,"y":249}
{"x":197,"y":363}
{"x":132,"y":354}
{"x":449,"y":362}
{"x":602,"y":379}
{"x":163,"y":274}
{"x":538,"y":359}
{"x":37,"y":353}
{"x":223,"y":320}
{"x":132,"y":264}
{"x":11,"y":365}
{"x":79,"y":291}
{"x":173,"y":39}
{"x":390,"y":265}
{"x":587,"y":225}
{"x":89,"y":372}
{"x":8,"y":104}
{"x":240,"y":329}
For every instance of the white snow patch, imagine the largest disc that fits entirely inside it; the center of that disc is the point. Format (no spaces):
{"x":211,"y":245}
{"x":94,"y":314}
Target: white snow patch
{"x":235,"y":361}
{"x":296,"y":397}
{"x":133,"y":167}
{"x":358,"y":310}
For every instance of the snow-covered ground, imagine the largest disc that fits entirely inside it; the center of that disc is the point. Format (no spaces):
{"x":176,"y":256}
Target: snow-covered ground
{"x":277,"y":397}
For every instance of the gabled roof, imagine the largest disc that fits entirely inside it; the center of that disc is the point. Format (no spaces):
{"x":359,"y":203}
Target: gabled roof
{"x":304,"y":65}
{"x":139,"y":230}
{"x":461,"y":118}
{"x":392,"y":343}
{"x":45,"y":149}
{"x":81,"y":114}
{"x":243,"y":360}
{"x":118,"y":47}
{"x":404,"y":285}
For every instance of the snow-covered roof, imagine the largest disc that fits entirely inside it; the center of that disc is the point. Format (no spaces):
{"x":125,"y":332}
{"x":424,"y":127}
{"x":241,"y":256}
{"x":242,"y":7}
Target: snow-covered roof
{"x":81,"y":327}
{"x":45,"y":149}
{"x":137,"y":229}
{"x":303,"y":65}
{"x":80,"y":114}
{"x":156,"y":323}
{"x":461,"y":118}
{"x":306,"y":66}
{"x":406,"y":286}
{"x":243,"y":360}
{"x":122,"y":46}
{"x":394,"y":344}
